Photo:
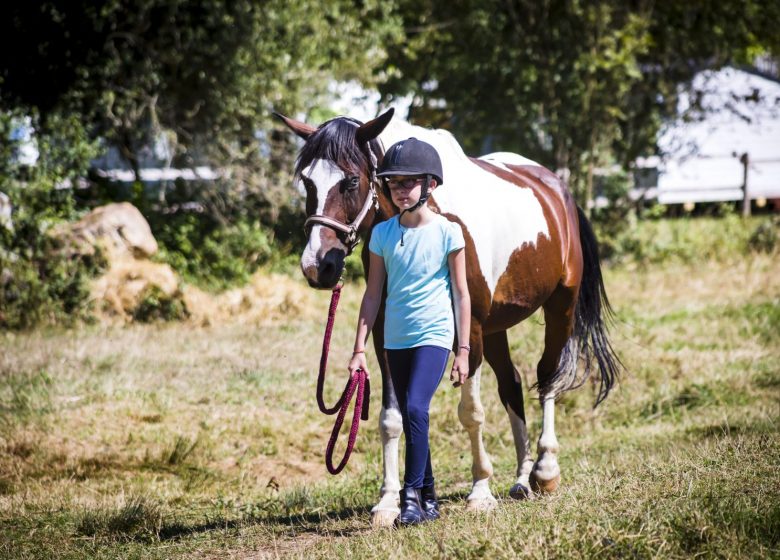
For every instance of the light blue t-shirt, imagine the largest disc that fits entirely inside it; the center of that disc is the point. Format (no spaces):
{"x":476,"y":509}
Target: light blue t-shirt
{"x":418,"y":310}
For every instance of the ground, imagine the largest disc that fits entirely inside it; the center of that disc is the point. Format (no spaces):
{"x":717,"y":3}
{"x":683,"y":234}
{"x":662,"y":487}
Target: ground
{"x":172,"y":440}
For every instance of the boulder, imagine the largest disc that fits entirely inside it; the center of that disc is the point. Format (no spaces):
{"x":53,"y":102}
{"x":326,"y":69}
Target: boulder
{"x":119,"y":227}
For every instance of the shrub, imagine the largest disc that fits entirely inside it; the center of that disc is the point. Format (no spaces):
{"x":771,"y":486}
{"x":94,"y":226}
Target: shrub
{"x":39,"y":282}
{"x":156,"y":305}
{"x":765,"y":237}
{"x":210,"y":255}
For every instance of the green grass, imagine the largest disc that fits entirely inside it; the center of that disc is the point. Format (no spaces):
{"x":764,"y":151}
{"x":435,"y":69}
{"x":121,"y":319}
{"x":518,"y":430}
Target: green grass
{"x":161,"y":441}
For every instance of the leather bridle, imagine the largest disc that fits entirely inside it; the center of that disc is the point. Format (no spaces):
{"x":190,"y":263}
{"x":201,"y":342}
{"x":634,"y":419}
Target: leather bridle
{"x":348,"y":233}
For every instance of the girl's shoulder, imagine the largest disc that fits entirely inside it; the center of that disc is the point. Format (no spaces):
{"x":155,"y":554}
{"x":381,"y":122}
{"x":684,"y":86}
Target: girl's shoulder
{"x":380,"y":232}
{"x":382,"y":227}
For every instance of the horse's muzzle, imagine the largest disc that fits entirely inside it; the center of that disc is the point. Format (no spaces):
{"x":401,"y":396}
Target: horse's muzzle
{"x":328,"y":270}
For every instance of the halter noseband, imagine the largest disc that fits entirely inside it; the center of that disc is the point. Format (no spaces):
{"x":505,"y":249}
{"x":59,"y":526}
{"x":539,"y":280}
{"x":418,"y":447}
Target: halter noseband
{"x":349,"y":231}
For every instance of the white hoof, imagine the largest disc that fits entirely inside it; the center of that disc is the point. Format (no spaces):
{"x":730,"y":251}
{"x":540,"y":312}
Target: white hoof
{"x":383,"y":517}
{"x":483,"y":504}
{"x":480,"y":499}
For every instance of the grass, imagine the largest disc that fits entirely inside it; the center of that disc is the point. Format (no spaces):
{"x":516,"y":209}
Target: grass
{"x":162,"y":441}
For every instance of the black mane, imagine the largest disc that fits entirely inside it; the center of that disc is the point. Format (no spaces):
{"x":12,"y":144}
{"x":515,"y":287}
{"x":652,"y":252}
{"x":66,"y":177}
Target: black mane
{"x":335,"y":140}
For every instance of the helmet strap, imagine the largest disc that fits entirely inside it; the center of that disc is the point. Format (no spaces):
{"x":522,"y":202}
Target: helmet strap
{"x":424,"y":194}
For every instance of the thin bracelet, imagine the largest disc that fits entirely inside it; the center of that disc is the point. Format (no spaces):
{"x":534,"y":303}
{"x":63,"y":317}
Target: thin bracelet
{"x":466,"y":346}
{"x":358,"y":352}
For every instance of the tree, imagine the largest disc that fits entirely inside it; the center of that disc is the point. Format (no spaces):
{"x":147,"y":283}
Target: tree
{"x":570,"y":83}
{"x":205,"y":73}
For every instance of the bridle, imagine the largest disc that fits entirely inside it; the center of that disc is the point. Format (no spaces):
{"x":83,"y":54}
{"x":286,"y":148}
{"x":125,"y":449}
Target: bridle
{"x":348,"y":233}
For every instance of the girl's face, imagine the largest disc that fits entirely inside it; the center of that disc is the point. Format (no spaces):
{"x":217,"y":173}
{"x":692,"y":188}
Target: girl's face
{"x":405,"y":191}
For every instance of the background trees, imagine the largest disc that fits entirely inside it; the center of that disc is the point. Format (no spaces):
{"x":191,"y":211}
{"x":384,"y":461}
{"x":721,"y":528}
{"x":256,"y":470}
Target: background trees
{"x":573,"y":84}
{"x":570,"y":83}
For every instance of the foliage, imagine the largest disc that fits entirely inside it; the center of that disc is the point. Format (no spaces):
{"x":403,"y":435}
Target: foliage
{"x":766,"y":236}
{"x":211,"y":255}
{"x":156,"y":305}
{"x":694,"y":239}
{"x":201,"y":77}
{"x":39,"y":282}
{"x":570,"y":84}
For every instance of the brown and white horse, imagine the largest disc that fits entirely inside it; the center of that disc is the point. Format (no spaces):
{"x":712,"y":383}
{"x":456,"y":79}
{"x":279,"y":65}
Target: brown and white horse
{"x":528,"y":245}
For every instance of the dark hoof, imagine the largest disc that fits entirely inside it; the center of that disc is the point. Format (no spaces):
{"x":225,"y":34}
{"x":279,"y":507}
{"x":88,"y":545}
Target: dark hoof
{"x":520,"y":492}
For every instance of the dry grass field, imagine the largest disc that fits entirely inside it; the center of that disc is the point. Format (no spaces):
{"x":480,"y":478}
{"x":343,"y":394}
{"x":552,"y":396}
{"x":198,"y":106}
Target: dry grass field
{"x":171,"y":440}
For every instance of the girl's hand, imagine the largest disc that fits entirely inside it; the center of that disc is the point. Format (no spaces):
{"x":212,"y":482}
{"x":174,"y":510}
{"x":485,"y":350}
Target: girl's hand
{"x":460,"y":368}
{"x":358,"y":361}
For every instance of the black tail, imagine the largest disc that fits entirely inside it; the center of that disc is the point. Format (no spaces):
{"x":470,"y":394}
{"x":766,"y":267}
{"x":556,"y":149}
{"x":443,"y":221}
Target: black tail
{"x":592,"y":314}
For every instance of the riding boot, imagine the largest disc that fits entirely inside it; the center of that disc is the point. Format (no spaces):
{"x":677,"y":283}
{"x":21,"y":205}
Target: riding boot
{"x":411,"y":509}
{"x":429,"y":502}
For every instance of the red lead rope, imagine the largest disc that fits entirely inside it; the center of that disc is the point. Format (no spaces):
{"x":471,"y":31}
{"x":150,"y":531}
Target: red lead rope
{"x":359,"y":381}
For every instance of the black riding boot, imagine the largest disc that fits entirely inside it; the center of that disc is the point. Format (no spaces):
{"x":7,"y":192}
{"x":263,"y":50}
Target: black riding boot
{"x":411,"y":509}
{"x":429,"y":502}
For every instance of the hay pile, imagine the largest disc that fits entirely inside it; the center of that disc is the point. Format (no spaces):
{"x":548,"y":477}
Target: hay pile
{"x":134,"y":288}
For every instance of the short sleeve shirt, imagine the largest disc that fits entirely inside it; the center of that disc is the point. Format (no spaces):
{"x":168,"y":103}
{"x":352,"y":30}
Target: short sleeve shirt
{"x":418,"y":310}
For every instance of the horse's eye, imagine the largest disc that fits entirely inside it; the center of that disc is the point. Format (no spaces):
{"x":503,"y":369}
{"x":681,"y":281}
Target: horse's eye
{"x":350,"y":183}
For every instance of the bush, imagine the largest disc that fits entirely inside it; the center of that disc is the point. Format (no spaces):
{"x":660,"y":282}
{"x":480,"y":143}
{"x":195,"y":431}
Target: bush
{"x":156,"y":305}
{"x":38,"y":281}
{"x":765,"y":237}
{"x":209,"y":255}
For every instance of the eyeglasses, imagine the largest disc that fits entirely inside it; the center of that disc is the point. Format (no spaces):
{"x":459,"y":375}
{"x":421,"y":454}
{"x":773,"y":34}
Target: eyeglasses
{"x":405,"y":183}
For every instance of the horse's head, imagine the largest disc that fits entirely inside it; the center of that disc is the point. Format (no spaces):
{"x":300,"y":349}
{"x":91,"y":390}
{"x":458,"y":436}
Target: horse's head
{"x":337,"y":169}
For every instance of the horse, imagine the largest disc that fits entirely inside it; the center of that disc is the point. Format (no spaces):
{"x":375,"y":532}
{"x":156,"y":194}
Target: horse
{"x":528,"y":245}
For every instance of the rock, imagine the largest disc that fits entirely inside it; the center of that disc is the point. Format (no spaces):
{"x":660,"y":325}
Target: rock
{"x":119,"y":227}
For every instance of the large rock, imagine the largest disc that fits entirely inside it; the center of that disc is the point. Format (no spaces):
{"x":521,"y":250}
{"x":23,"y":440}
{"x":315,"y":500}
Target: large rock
{"x":119,"y":227}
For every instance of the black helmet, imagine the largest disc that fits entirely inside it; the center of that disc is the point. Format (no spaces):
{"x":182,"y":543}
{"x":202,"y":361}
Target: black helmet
{"x":411,"y":157}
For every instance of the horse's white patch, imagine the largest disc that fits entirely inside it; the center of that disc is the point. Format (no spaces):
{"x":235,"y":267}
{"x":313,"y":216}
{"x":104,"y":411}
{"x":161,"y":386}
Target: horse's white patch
{"x":324,"y":174}
{"x":503,"y":159}
{"x":500,"y":216}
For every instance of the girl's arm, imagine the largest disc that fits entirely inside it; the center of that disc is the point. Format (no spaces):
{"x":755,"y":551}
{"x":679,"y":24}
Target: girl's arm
{"x":369,"y":308}
{"x":462,"y":305}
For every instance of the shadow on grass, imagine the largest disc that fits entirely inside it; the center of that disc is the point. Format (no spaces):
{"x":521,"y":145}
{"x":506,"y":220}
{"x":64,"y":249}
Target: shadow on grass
{"x":304,"y":522}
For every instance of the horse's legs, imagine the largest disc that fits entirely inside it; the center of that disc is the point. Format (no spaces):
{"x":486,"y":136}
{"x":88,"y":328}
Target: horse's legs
{"x":511,"y":393}
{"x":472,"y":417}
{"x":554,"y":365}
{"x":390,"y":428}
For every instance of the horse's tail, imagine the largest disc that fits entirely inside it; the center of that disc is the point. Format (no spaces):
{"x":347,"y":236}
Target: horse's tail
{"x":592,"y":314}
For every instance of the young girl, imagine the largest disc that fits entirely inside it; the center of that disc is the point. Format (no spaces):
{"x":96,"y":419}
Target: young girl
{"x":422,"y":255}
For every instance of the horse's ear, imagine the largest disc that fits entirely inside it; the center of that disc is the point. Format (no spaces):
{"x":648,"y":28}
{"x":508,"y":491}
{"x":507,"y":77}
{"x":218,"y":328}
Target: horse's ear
{"x":301,"y":129}
{"x":372,"y":129}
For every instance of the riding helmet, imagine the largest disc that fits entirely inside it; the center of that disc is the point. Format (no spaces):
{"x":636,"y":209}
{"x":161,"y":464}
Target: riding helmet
{"x":411,"y":157}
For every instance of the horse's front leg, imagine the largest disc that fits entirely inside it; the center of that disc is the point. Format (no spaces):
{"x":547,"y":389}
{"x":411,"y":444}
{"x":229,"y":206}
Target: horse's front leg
{"x":383,"y":514}
{"x":472,"y":416}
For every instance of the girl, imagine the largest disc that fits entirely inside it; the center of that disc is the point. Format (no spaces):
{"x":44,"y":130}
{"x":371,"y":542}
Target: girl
{"x":422,"y":255}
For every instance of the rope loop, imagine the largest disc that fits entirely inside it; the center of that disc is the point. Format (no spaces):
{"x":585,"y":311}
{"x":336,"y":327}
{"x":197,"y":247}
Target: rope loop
{"x":358,"y":382}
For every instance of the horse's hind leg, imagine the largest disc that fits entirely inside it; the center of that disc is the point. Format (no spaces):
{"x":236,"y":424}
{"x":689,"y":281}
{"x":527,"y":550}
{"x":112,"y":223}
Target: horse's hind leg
{"x":496,"y":348}
{"x":554,"y":372}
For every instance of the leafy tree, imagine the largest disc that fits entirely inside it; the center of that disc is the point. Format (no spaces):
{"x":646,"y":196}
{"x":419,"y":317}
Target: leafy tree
{"x":571,"y":83}
{"x":205,"y":73}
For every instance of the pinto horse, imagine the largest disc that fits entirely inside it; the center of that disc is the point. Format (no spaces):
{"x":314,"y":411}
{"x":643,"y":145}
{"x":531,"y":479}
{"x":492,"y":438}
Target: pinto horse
{"x":528,"y":245}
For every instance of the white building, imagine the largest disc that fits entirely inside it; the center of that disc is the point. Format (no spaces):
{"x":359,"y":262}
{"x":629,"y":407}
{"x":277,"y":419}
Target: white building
{"x":728,"y":113}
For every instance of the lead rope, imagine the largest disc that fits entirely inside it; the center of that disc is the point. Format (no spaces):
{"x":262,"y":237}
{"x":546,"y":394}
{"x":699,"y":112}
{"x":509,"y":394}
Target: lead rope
{"x":359,"y":380}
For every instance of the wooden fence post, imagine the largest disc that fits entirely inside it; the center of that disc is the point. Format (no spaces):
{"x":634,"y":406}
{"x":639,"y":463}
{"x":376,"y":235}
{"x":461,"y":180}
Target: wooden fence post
{"x":745,"y":160}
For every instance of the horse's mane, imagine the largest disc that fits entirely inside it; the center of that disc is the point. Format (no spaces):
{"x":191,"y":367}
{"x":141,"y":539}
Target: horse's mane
{"x":335,"y":140}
